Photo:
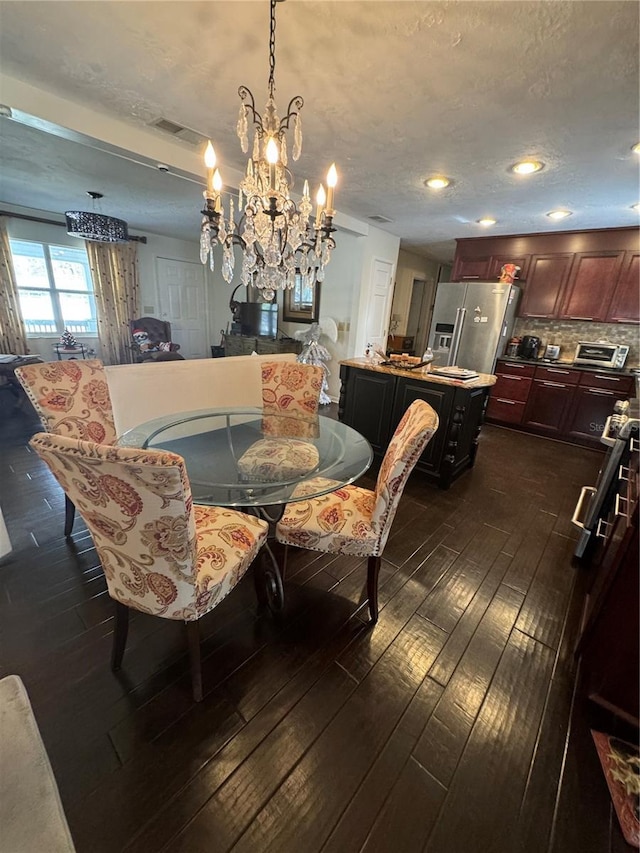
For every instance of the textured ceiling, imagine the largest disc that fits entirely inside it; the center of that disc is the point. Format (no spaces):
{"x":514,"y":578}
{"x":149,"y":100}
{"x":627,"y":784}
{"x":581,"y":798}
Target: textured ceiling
{"x":394,"y":92}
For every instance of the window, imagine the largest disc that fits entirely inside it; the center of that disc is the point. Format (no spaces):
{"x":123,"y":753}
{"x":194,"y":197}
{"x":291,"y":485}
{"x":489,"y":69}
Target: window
{"x":54,"y":288}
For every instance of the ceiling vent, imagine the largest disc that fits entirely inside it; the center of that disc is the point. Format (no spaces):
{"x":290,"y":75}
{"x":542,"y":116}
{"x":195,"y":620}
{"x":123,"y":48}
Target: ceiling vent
{"x":178,"y":131}
{"x":377,"y":217}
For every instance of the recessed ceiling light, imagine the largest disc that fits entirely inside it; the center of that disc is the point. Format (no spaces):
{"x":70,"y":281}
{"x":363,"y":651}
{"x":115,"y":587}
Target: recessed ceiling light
{"x":559,"y":214}
{"x":527,"y":167}
{"x":636,"y":148}
{"x":438,"y":182}
{"x":636,"y":207}
{"x":486,"y":221}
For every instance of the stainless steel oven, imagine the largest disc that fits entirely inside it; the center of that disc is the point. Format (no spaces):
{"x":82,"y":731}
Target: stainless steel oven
{"x":619,"y":435}
{"x":601,"y":354}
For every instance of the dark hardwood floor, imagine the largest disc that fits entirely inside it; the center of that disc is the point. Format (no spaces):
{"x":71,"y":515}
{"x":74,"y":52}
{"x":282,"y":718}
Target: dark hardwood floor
{"x":452,"y":726}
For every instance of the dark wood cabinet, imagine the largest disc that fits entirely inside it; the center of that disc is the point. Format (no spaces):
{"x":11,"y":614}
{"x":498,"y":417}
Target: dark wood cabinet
{"x":498,"y":261}
{"x":547,"y":280}
{"x":565,"y":274}
{"x":471,"y":269}
{"x":566,"y":402}
{"x":590,"y":285}
{"x":246,"y":344}
{"x":625,"y":304}
{"x":590,"y":408}
{"x":547,"y":406}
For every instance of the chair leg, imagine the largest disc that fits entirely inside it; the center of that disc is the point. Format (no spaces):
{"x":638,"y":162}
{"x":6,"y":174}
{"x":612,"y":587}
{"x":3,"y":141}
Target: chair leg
{"x":69,"y":515}
{"x":193,"y":639}
{"x":120,"y":631}
{"x":373,"y":570}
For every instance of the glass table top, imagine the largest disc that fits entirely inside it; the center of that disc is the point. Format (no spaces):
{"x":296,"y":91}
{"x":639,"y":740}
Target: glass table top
{"x":243,"y":457}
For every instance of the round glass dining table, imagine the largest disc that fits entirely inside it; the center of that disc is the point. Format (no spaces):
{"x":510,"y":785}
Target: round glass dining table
{"x":242,"y":457}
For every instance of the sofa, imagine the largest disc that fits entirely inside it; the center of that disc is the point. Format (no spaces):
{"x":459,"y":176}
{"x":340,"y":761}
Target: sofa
{"x":142,"y":392}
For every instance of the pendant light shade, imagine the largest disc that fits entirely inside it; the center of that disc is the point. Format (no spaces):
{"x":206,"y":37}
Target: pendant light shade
{"x":91,"y":225}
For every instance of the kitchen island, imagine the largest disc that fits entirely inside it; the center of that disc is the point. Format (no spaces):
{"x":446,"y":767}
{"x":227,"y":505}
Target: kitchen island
{"x":374,"y":397}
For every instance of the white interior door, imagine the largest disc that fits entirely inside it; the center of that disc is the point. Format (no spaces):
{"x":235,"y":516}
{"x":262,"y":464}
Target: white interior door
{"x":182,"y":292}
{"x":380,"y":296}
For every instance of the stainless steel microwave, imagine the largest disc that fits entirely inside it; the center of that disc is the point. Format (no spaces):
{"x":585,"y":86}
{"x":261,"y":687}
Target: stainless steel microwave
{"x":601,"y":354}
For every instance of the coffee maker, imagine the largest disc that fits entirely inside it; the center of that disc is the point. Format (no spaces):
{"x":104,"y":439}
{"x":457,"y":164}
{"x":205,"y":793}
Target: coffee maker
{"x":529,"y":347}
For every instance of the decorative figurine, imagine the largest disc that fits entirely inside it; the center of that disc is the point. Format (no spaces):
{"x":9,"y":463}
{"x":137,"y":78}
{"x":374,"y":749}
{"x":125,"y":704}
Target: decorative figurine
{"x":67,"y":340}
{"x":508,"y":273}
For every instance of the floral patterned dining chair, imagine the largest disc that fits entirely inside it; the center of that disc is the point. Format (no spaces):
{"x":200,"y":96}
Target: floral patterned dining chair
{"x":161,"y":554}
{"x":353,"y":520}
{"x":290,"y":397}
{"x":71,"y":398}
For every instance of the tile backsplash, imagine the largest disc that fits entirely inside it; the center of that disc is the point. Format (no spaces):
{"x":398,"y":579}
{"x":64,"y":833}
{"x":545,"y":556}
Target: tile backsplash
{"x":567,"y":333}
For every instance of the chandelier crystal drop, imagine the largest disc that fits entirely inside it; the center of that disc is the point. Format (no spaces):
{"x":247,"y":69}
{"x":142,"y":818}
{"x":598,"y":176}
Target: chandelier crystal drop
{"x":279,"y":238}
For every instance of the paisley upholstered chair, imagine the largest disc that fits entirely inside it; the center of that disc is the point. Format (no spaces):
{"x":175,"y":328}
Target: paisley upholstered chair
{"x":72,"y":398}
{"x":160,"y":553}
{"x":290,"y":396}
{"x":353,"y":520}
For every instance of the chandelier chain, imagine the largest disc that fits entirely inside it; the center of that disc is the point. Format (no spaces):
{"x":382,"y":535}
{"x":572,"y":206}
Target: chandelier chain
{"x":272,"y":50}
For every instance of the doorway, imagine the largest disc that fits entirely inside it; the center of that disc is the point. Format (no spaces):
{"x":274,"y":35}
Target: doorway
{"x":420,"y":308}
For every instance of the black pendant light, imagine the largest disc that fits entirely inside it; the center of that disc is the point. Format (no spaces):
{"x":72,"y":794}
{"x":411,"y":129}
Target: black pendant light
{"x":96,"y":226}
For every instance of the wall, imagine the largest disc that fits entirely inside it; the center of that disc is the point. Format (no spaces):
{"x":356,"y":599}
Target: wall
{"x":567,"y":333}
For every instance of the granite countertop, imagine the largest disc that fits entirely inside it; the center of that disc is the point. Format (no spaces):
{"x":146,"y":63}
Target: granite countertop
{"x":538,"y":362}
{"x":484,"y":380}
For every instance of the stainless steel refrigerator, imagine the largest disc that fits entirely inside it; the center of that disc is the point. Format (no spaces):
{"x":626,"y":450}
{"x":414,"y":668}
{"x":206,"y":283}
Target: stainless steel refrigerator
{"x":472,"y":322}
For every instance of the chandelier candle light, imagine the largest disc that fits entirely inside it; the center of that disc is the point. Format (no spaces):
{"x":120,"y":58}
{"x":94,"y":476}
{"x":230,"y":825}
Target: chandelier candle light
{"x":278,"y":238}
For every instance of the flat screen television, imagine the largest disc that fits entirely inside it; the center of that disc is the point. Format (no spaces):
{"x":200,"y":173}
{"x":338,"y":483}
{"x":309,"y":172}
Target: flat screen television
{"x":259,"y":318}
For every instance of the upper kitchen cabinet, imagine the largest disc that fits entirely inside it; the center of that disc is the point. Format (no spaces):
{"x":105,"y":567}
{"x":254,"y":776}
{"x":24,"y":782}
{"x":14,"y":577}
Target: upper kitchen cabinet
{"x":546,"y":283}
{"x":573,"y":275}
{"x":471,"y":269}
{"x":498,"y":261}
{"x":625,"y":304}
{"x":591,"y":284}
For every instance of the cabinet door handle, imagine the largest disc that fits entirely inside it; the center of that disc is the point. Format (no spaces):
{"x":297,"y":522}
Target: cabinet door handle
{"x":510,"y":402}
{"x":537,"y":315}
{"x":601,"y":393}
{"x":554,"y":385}
{"x":618,"y":511}
{"x":634,"y":445}
{"x":621,"y":475}
{"x":516,"y":366}
{"x":602,"y":523}
{"x":555,"y":370}
{"x":610,"y":378}
{"x":513,"y":378}
{"x":579,"y":318}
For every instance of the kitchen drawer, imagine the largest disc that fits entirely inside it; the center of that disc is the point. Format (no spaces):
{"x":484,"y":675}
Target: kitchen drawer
{"x":558,"y":374}
{"x":516,"y":368}
{"x":505,"y":411}
{"x":623,"y":385}
{"x":511,"y":387}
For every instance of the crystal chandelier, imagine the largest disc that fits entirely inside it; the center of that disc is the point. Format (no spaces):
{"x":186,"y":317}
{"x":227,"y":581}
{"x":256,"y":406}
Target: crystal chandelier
{"x":96,"y":226}
{"x":279,"y":239}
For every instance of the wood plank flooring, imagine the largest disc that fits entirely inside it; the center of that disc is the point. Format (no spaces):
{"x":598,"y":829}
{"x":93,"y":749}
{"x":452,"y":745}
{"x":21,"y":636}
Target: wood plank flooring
{"x":453,"y":725}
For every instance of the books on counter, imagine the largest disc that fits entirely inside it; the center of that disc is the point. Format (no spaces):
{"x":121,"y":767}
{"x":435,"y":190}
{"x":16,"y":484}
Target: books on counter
{"x":462,"y":374}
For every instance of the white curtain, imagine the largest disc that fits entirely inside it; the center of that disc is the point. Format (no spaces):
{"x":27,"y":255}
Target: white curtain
{"x":114,"y":269}
{"x":13,"y":338}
